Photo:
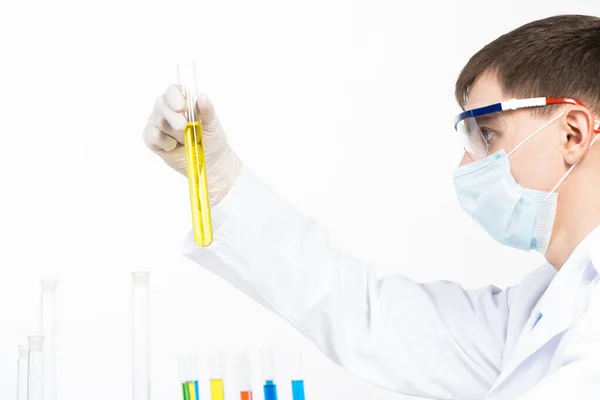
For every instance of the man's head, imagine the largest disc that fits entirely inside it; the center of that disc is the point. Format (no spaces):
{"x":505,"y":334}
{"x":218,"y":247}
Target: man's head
{"x":553,"y":57}
{"x":554,"y":61}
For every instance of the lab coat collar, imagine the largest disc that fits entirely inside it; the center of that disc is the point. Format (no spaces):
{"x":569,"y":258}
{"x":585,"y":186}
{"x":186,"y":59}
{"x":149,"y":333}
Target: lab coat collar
{"x":558,"y":303}
{"x":560,"y":296}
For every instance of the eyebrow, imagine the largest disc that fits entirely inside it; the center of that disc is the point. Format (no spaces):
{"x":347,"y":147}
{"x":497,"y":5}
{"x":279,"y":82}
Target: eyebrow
{"x":487,"y":119}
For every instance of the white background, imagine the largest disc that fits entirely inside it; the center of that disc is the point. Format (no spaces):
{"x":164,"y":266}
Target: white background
{"x":344,"y":107}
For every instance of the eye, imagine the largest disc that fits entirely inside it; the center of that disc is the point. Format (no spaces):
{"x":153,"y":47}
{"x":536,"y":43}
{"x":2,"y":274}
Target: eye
{"x":488,"y":134}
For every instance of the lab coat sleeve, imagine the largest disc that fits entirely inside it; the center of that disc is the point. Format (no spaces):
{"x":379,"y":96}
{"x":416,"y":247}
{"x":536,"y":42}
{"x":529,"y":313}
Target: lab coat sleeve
{"x":579,"y":375}
{"x":432,"y":340}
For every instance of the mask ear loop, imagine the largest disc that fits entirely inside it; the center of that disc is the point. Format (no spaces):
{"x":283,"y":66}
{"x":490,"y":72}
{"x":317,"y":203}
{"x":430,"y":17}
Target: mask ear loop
{"x":534,"y":133}
{"x":597,"y":131}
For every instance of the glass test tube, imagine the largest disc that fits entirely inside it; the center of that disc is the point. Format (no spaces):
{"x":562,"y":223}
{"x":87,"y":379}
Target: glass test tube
{"x":217,"y":391}
{"x":246,"y":395}
{"x":22,"y":372}
{"x":243,"y":368}
{"x":35,"y":377}
{"x":194,"y":152}
{"x":270,"y":389}
{"x":215,"y":374}
{"x":297,"y":377}
{"x":190,"y":390}
{"x":141,"y":336}
{"x":188,"y":369}
{"x":268,"y":371}
{"x":48,"y":329}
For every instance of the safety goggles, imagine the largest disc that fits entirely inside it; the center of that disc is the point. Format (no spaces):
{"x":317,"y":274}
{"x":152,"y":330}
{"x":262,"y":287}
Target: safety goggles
{"x":477,"y":126}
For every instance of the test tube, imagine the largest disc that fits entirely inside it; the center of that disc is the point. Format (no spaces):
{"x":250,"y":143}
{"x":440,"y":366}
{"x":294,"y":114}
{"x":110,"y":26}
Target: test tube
{"x":215,"y":375}
{"x":188,"y":369}
{"x":270,"y":389}
{"x":35,"y":368}
{"x":190,"y":390}
{"x":297,"y":377}
{"x":48,"y":330}
{"x":141,"y":336}
{"x":194,"y":152}
{"x":22,"y":372}
{"x":268,"y":372}
{"x":243,"y":368}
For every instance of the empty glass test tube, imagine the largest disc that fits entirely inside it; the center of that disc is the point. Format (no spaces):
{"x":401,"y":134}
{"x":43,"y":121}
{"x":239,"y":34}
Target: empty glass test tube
{"x":48,"y":329}
{"x":141,"y":336}
{"x":22,"y":372}
{"x":194,"y":153}
{"x":35,"y":377}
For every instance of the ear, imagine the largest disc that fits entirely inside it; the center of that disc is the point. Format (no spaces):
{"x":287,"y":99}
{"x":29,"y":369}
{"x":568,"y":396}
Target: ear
{"x":577,"y":134}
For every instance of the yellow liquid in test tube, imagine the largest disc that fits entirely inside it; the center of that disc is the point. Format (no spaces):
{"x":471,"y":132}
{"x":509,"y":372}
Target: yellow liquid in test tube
{"x":194,"y":155}
{"x":199,"y":199}
{"x":216,"y":389}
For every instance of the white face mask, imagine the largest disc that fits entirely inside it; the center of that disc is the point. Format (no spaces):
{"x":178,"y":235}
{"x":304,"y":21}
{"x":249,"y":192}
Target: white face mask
{"x":513,"y":215}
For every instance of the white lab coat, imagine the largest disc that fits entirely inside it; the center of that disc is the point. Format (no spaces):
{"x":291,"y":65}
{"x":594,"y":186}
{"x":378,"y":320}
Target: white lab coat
{"x":432,"y":340}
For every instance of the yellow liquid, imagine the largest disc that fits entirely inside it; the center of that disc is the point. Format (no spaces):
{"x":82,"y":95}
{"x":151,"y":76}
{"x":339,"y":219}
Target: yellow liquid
{"x":216,"y":389}
{"x":196,"y":167}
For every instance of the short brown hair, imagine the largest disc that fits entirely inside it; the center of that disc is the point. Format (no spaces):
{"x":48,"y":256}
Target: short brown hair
{"x":553,"y":57}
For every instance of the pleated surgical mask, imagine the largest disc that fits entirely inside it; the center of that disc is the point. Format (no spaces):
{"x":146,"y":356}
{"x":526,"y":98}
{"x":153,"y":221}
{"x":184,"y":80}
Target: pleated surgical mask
{"x":513,"y":215}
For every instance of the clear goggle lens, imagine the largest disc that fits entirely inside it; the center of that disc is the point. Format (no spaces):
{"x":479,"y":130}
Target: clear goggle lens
{"x":477,"y":134}
{"x":472,"y":139}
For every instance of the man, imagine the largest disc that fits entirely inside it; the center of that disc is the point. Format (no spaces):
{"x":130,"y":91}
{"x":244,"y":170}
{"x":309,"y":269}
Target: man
{"x":529,"y":177}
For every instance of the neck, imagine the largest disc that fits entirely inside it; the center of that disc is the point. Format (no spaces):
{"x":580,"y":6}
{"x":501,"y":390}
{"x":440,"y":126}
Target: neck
{"x":577,"y":213}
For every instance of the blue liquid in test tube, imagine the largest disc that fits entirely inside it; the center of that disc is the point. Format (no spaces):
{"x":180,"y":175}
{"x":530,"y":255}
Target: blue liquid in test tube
{"x":270,"y":390}
{"x":298,"y":390}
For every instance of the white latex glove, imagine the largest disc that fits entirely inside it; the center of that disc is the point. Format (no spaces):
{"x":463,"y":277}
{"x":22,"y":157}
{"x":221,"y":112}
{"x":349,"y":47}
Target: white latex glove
{"x":163,"y":134}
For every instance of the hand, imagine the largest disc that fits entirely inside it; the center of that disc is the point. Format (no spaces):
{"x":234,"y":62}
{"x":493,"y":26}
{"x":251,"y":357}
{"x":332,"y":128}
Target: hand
{"x":163,"y":134}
